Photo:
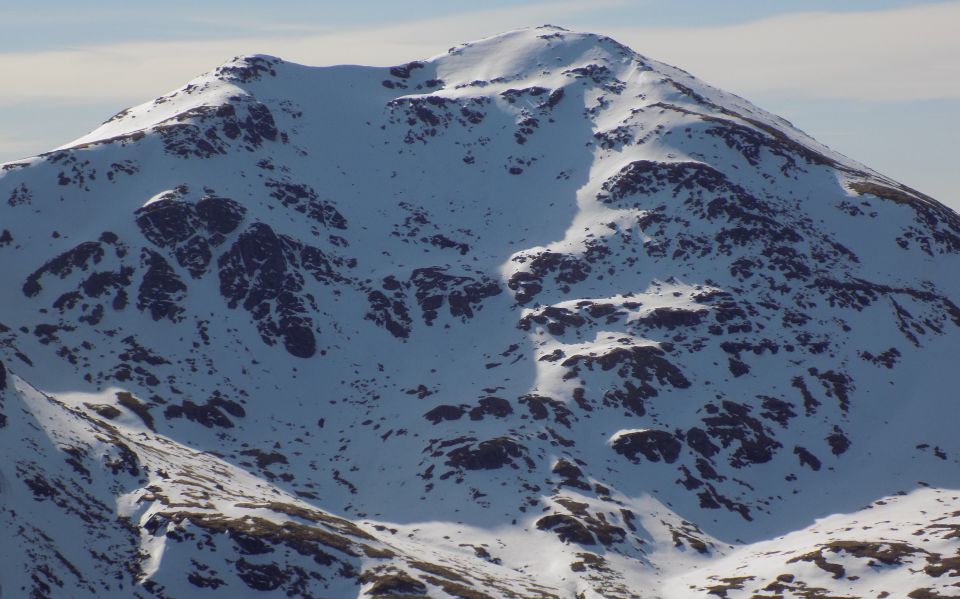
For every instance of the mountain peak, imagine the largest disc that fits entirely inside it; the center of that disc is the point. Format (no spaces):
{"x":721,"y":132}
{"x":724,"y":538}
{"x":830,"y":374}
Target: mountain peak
{"x":535,"y":317}
{"x":532,"y":52}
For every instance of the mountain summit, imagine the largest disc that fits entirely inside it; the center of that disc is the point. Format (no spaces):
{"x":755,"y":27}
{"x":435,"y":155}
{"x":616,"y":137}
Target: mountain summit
{"x":536,"y":317}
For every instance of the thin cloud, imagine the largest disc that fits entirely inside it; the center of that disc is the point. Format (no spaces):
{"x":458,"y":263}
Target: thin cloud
{"x":890,"y":55}
{"x":18,"y":147}
{"x":902,"y":54}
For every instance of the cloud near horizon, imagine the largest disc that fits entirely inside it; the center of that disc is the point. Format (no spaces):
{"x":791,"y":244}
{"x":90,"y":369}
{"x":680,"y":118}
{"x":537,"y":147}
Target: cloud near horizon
{"x":890,"y":55}
{"x":894,"y":55}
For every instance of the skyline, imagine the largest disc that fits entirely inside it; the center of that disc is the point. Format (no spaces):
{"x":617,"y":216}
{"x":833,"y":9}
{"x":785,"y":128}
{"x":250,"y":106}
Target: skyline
{"x":891,"y":102}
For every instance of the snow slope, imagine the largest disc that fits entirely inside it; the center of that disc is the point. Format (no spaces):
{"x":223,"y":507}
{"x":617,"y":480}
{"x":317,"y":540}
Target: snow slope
{"x":536,"y":317}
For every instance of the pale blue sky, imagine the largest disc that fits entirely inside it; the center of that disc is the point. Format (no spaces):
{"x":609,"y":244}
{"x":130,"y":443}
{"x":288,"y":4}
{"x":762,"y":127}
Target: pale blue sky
{"x":881,"y":85}
{"x":66,"y":22}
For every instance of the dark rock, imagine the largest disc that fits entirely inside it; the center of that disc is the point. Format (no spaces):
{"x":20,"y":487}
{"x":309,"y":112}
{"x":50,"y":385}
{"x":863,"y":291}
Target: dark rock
{"x":567,"y":269}
{"x":133,"y":404}
{"x":46,"y":333}
{"x":220,"y":215}
{"x":643,"y":363}
{"x":671,"y":318}
{"x":734,"y":423}
{"x":204,"y":581}
{"x":737,"y":367}
{"x":572,"y":476}
{"x":836,"y":384}
{"x":645,"y":177}
{"x":888,"y":358}
{"x":266,"y":459}
{"x":463,"y":294}
{"x":630,"y":397}
{"x":209,"y":415}
{"x":810,"y":403}
{"x":487,"y":455}
{"x":188,"y":229}
{"x":441,"y":413}
{"x":556,"y":319}
{"x":538,"y":406}
{"x":100,"y":282}
{"x":807,"y":458}
{"x":79,"y":257}
{"x":838,"y":440}
{"x":699,"y":441}
{"x":247,"y":69}
{"x":652,"y":444}
{"x":249,"y":544}
{"x":396,"y":585}
{"x":305,"y":200}
{"x":491,"y":406}
{"x":777,"y":410}
{"x":260,"y":577}
{"x":261,"y":273}
{"x":389,"y":314}
{"x":600,"y":75}
{"x":161,"y":290}
{"x":136,"y":352}
{"x":206,"y":131}
{"x":231,"y":407}
{"x":568,"y":528}
{"x":104,"y":410}
{"x":20,"y":195}
{"x":404,"y":71}
{"x":167,"y":222}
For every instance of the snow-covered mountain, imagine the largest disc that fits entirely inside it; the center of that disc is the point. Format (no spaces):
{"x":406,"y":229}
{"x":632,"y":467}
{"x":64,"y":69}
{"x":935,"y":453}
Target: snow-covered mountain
{"x":537,"y":317}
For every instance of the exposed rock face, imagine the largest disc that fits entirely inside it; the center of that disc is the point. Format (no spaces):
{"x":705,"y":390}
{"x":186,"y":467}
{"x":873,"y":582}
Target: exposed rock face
{"x":538,"y":317}
{"x":652,"y":445}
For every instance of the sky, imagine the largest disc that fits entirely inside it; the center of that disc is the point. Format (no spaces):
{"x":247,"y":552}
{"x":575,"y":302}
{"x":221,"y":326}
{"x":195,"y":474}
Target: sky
{"x":878,"y":81}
